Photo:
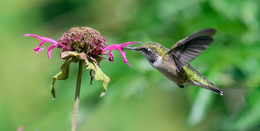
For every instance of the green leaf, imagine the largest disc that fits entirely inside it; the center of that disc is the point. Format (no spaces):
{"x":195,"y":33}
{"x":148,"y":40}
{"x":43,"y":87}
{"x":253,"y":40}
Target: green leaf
{"x":62,"y":75}
{"x":98,"y":75}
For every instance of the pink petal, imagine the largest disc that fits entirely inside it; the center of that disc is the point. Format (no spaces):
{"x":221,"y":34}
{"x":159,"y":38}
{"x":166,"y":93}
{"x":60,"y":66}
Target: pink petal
{"x":124,"y":56}
{"x":117,"y":46}
{"x":38,"y":49}
{"x":111,"y":47}
{"x":20,"y":128}
{"x":50,"y":49}
{"x":120,"y":48}
{"x":111,"y":57}
{"x":43,"y":40}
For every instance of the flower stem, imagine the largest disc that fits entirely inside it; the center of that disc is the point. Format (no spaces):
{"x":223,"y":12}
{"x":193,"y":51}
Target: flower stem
{"x":76,"y":103}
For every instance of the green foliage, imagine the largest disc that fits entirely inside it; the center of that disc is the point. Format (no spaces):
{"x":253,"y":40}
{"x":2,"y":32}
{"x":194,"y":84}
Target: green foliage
{"x":139,"y":98}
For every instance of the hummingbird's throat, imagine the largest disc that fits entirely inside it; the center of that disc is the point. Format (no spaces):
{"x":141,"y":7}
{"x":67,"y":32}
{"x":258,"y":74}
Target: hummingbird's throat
{"x":156,"y":62}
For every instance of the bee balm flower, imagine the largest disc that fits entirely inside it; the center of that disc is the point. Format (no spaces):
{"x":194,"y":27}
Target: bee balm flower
{"x":82,"y":44}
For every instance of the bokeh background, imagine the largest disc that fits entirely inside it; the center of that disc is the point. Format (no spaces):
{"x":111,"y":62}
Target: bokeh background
{"x":138,"y":98}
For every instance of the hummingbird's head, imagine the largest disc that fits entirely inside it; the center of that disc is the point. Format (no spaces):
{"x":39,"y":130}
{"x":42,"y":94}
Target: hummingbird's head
{"x":153,"y":52}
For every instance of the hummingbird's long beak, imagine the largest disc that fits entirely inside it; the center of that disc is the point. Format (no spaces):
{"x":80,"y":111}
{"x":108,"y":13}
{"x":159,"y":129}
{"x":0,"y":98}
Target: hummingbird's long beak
{"x":131,"y":48}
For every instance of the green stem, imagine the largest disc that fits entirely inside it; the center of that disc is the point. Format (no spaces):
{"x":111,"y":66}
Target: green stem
{"x":76,"y":103}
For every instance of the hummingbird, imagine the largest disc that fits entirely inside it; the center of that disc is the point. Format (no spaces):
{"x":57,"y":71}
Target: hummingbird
{"x":174,"y":63}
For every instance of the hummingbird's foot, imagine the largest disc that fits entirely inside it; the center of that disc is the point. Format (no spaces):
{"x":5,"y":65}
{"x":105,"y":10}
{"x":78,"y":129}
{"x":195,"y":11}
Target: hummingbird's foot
{"x":180,"y":85}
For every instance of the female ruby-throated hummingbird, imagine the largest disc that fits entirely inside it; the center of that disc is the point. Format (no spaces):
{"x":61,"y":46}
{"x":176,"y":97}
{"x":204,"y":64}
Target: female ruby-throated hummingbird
{"x":174,"y":63}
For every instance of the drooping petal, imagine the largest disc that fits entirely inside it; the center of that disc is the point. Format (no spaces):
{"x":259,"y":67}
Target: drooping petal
{"x":38,"y":49}
{"x":124,"y":56}
{"x":120,"y":48}
{"x":50,"y":49}
{"x":110,"y":56}
{"x":43,"y":40}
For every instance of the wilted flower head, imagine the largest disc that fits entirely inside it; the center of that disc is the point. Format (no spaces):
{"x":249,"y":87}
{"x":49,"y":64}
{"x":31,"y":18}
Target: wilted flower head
{"x":82,"y":44}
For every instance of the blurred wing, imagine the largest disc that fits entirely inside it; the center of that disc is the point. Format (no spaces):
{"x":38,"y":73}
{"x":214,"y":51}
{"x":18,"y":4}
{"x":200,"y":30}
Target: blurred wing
{"x":192,"y":46}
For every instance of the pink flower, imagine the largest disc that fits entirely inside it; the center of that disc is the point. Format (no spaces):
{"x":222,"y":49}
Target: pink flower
{"x":120,"y":48}
{"x":43,"y":40}
{"x":82,"y":44}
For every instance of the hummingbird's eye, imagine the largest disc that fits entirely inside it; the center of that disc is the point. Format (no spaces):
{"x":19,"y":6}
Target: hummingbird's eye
{"x":145,"y":50}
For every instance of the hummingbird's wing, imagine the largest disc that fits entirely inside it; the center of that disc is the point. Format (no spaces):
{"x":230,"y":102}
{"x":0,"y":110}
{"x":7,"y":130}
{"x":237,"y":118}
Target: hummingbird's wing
{"x":187,"y":49}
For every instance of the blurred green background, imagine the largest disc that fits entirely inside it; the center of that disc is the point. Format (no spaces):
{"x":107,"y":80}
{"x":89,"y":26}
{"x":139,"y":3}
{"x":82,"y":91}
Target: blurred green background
{"x":138,"y":98}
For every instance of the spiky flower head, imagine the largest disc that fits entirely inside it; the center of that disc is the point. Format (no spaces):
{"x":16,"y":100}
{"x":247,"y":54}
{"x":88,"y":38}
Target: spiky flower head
{"x":83,"y":40}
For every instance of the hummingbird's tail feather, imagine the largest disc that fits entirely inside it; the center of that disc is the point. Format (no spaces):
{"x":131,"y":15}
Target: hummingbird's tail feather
{"x":197,"y":79}
{"x":210,"y":87}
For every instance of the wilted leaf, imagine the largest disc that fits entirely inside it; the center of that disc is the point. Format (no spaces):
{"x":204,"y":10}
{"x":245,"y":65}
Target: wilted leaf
{"x":99,"y":75}
{"x":91,"y":65}
{"x":62,"y":75}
